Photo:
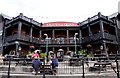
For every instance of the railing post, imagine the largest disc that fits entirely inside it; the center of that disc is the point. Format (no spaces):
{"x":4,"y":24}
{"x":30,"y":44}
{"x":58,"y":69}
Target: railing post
{"x":117,"y":65}
{"x":9,"y":67}
{"x":83,"y":76}
{"x":44,"y":68}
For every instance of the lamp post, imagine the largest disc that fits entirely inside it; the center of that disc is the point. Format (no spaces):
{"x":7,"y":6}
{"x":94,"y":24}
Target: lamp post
{"x":17,"y":46}
{"x":75,"y":42}
{"x":46,"y":53}
{"x":46,"y":44}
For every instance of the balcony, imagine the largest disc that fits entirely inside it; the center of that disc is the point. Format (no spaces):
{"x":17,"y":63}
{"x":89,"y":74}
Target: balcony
{"x":85,"y":39}
{"x":110,"y":37}
{"x":11,"y":38}
{"x":60,"y":41}
{"x":98,"y":36}
{"x":43,"y":41}
{"x":25,"y":37}
{"x":15,"y":36}
{"x":35,"y":40}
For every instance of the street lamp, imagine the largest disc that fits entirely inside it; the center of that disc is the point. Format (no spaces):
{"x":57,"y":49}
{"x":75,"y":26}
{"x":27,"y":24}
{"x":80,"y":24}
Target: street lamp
{"x":46,"y":39}
{"x":46,"y":53}
{"x":75,"y":42}
{"x":17,"y":46}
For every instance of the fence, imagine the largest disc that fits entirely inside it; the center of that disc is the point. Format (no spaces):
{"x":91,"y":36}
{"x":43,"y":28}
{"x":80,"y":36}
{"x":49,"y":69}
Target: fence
{"x":81,"y":66}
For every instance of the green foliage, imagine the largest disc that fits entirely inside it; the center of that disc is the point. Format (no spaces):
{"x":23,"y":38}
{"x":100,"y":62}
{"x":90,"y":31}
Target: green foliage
{"x":43,"y":55}
{"x":83,"y":52}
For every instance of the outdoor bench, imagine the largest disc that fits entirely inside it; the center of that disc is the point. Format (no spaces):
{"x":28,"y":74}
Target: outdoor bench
{"x":44,"y":68}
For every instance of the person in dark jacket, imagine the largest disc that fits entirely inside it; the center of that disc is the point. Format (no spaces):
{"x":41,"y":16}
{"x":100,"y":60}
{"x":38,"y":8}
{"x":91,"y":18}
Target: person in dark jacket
{"x":36,"y":65}
{"x":54,"y":65}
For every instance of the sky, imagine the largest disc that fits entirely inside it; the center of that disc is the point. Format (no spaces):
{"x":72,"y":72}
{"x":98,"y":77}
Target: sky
{"x":58,"y":10}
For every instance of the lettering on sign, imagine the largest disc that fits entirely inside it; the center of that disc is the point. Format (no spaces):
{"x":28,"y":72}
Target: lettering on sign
{"x":54,"y":24}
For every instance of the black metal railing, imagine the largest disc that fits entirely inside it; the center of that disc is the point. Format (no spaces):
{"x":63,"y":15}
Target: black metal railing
{"x":110,"y":36}
{"x":80,"y":65}
{"x":98,"y":36}
{"x":43,"y":41}
{"x":25,"y":37}
{"x":11,"y":37}
{"x":61,"y":41}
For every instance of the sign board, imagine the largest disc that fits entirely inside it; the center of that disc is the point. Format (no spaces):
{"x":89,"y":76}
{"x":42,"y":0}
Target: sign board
{"x":59,"y":24}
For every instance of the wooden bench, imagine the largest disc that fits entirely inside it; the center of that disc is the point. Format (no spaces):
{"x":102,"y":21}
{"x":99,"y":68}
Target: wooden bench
{"x":47,"y":68}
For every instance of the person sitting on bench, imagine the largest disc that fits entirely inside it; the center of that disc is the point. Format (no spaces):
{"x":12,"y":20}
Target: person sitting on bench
{"x":54,"y":65}
{"x":36,"y":65}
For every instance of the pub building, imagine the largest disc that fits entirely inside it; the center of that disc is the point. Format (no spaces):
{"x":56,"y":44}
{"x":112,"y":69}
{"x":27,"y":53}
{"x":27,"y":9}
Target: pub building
{"x":97,"y":34}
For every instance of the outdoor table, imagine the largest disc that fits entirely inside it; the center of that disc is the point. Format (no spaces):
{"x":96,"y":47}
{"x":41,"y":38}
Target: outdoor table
{"x":102,"y":65}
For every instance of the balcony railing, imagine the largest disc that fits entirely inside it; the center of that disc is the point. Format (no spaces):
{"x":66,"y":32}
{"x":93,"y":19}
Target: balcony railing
{"x":11,"y":38}
{"x":60,"y":41}
{"x":85,"y":39}
{"x":110,"y":37}
{"x":98,"y":36}
{"x":25,"y":37}
{"x":93,"y":37}
{"x":15,"y":36}
{"x":43,"y":41}
{"x":35,"y":40}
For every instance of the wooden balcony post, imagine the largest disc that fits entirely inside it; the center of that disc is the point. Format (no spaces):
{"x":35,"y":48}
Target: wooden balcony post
{"x":101,"y":28}
{"x":31,"y":30}
{"x":19,"y":29}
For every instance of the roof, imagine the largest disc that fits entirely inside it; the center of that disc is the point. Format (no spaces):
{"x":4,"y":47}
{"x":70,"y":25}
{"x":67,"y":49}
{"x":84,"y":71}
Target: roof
{"x":5,"y":16}
{"x":113,"y":15}
{"x":60,"y":24}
